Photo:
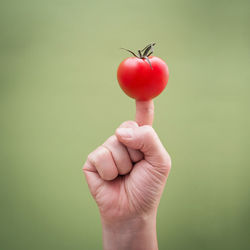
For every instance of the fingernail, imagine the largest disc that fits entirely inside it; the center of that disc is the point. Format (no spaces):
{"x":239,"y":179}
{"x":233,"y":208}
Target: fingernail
{"x":125,"y":132}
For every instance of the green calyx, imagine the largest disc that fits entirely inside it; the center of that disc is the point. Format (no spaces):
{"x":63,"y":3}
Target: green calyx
{"x":144,"y":53}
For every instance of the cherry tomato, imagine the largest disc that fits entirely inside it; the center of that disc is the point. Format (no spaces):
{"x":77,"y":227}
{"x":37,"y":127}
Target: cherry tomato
{"x":143,"y":77}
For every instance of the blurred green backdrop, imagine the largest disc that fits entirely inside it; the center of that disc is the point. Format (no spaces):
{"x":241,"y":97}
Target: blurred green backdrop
{"x":59,"y":99}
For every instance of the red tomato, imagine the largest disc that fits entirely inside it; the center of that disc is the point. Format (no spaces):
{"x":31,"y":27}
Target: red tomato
{"x":139,"y":81}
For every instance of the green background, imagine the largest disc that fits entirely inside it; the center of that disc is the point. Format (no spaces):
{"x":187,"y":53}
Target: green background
{"x":59,"y":99}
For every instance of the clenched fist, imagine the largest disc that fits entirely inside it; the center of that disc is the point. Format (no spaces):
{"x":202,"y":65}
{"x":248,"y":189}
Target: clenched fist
{"x":126,"y":176}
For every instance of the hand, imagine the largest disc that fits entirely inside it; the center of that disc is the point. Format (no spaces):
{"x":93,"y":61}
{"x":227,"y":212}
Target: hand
{"x":126,"y":176}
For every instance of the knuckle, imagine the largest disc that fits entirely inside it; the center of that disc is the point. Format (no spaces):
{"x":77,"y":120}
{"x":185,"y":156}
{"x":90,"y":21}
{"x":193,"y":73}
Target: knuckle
{"x":128,"y":124}
{"x":91,"y":158}
{"x":102,"y":152}
{"x":112,"y":140}
{"x":149,"y":131}
{"x":96,"y":156}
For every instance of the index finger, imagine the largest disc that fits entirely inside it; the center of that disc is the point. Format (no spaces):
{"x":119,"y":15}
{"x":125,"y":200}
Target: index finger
{"x":144,"y":112}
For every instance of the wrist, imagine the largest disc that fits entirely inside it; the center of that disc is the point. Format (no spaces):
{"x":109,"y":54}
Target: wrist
{"x":137,"y":233}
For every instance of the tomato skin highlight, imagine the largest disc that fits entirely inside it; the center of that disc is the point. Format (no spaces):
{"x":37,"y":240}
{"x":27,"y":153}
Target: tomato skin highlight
{"x":139,"y":81}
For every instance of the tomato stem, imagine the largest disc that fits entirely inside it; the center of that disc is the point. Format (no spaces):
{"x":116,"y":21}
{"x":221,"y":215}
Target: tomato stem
{"x":147,"y":51}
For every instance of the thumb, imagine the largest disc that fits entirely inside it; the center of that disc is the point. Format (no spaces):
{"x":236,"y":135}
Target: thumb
{"x":144,"y":114}
{"x":146,"y":140}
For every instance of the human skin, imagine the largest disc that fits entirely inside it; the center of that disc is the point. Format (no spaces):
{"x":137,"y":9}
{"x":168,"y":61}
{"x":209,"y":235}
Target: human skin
{"x":126,"y":176}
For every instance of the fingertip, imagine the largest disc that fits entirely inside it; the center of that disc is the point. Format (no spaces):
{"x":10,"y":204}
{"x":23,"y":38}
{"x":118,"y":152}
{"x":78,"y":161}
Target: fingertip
{"x":109,"y":177}
{"x":104,"y":163}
